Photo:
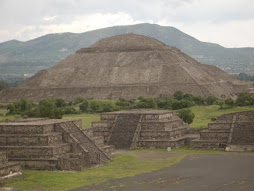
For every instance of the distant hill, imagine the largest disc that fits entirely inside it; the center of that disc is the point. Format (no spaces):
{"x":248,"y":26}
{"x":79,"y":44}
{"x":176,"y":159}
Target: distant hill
{"x":126,"y":66}
{"x":18,"y":58}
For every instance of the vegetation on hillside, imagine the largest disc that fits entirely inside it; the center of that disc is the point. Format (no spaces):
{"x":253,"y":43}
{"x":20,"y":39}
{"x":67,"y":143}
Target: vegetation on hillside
{"x":56,"y":108}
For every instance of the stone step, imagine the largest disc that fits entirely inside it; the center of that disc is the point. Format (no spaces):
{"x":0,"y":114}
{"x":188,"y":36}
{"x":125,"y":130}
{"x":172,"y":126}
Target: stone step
{"x":240,"y":148}
{"x":162,"y":134}
{"x":219,"y":126}
{"x":124,"y":130}
{"x":3,"y":158}
{"x":174,"y":143}
{"x":160,"y":125}
{"x":9,"y":168}
{"x":35,"y":151}
{"x":214,"y":135}
{"x":208,"y":144}
{"x":26,"y":129}
{"x":102,"y":125}
{"x":30,"y":139}
{"x":50,"y":163}
{"x":108,"y":149}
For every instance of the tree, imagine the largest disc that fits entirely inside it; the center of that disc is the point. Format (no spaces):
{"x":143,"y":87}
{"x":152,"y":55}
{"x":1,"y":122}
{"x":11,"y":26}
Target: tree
{"x":186,"y":115}
{"x":245,"y":99}
{"x":178,"y":95}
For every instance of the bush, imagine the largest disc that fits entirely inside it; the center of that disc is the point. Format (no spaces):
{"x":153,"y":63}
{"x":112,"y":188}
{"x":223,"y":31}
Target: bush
{"x":84,"y":106}
{"x":70,"y":110}
{"x":107,"y":107}
{"x":186,"y":115}
{"x":210,"y":100}
{"x":229,"y":102}
{"x":95,"y":107}
{"x":59,"y":102}
{"x":245,"y":99}
{"x":178,"y":95}
{"x":148,"y":103}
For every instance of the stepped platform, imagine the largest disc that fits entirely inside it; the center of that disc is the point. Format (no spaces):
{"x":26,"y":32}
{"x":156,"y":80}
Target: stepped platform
{"x":230,"y":132}
{"x":8,"y":169}
{"x":141,"y":129}
{"x":49,"y":144}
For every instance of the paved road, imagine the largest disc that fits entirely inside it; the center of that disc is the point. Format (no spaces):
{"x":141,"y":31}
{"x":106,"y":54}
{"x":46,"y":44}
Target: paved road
{"x":194,"y":173}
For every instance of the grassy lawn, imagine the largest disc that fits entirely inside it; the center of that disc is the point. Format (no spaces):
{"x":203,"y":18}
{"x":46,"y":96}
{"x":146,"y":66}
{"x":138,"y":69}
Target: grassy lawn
{"x":86,"y":118}
{"x":122,"y":165}
{"x":204,"y":114}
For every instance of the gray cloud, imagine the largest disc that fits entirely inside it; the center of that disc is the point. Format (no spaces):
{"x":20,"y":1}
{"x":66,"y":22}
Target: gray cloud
{"x":31,"y":18}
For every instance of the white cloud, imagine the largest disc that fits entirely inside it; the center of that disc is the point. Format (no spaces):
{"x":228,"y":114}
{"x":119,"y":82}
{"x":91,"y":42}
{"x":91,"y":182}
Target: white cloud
{"x":227,"y":22}
{"x":50,"y":18}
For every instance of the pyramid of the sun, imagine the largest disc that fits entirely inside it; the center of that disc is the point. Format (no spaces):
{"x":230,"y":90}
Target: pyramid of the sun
{"x":126,"y":66}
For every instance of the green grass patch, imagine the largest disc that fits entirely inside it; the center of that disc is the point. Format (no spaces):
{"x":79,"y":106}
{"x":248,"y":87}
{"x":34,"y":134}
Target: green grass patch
{"x":3,"y":116}
{"x":204,"y":114}
{"x":87,"y":119}
{"x":122,"y":165}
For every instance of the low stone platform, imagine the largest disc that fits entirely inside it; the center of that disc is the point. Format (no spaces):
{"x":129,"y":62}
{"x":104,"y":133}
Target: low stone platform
{"x":141,"y":129}
{"x":49,"y":144}
{"x":8,"y":169}
{"x":230,"y":132}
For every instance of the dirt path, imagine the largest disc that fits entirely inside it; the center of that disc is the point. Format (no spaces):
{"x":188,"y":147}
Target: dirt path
{"x":204,"y":172}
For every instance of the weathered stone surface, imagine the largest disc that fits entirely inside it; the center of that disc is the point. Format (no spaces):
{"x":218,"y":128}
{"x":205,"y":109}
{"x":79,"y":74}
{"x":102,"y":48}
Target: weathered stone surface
{"x":141,"y":129}
{"x":50,"y":145}
{"x":126,"y":66}
{"x":230,"y":132}
{"x":8,"y":169}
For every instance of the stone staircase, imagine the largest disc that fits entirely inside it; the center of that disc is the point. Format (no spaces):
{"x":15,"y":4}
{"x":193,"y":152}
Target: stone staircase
{"x":124,"y":129}
{"x":96,"y":155}
{"x":50,"y":145}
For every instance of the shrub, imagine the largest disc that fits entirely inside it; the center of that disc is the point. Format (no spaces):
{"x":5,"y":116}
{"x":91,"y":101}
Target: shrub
{"x":186,"y":115}
{"x":229,"y":102}
{"x":245,"y":99}
{"x":148,"y":103}
{"x":210,"y":100}
{"x":84,"y":106}
{"x":70,"y":110}
{"x":95,"y":106}
{"x":178,"y":95}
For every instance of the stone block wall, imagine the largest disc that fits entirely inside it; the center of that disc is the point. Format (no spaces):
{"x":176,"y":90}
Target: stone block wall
{"x":50,"y":145}
{"x":155,"y":128}
{"x":233,"y":132}
{"x":243,"y":134}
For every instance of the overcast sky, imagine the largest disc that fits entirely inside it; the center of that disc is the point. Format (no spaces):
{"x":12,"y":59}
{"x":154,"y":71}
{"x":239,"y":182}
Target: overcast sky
{"x":226,"y":22}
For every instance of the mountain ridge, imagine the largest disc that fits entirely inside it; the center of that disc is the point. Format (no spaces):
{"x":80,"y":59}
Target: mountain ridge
{"x":17,"y":57}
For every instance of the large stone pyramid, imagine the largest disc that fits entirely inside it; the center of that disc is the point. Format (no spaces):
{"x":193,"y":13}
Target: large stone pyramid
{"x":126,"y":66}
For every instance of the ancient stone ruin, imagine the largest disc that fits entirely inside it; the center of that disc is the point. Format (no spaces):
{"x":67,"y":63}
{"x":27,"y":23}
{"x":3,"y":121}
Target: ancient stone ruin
{"x":8,"y":169}
{"x":50,"y":145}
{"x":230,"y":132}
{"x":141,"y":129}
{"x":126,"y":66}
